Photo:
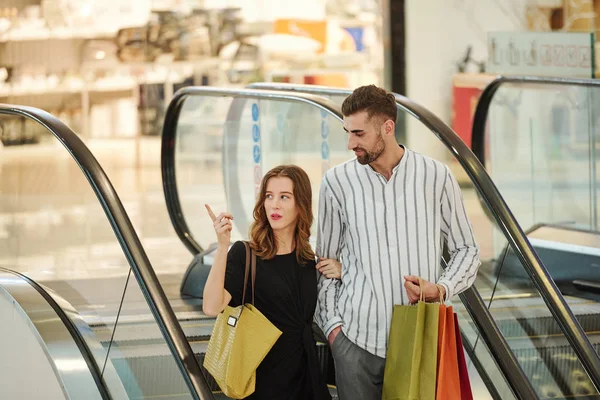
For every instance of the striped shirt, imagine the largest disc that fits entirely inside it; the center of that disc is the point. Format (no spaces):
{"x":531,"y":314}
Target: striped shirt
{"x":382,"y":230}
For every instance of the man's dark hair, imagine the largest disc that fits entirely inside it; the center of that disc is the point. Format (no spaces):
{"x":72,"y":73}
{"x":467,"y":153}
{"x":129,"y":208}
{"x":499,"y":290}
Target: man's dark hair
{"x":372,"y":99}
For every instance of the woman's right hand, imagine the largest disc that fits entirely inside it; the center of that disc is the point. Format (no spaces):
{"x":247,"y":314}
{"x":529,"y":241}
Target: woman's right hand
{"x":331,"y":269}
{"x":223,"y":226}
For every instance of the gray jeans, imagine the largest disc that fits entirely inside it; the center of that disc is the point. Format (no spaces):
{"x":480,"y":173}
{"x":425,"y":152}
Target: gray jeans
{"x":358,"y":373}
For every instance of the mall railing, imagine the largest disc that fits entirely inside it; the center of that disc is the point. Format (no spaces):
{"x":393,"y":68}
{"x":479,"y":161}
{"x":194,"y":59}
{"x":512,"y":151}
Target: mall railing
{"x":487,"y":96}
{"x":490,"y":333}
{"x":76,"y":335}
{"x":130,"y":243}
{"x":501,"y":213}
{"x":552,"y":147}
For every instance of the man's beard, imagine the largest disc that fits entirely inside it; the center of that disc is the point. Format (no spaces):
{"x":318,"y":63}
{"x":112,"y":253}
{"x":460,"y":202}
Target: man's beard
{"x":370,"y":157}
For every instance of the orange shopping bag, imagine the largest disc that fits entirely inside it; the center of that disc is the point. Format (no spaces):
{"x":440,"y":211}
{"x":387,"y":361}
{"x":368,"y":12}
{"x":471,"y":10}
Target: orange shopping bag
{"x":448,"y":380}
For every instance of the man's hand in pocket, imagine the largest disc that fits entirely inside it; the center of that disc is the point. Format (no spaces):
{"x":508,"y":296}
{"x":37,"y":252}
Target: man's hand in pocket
{"x":333,"y":335}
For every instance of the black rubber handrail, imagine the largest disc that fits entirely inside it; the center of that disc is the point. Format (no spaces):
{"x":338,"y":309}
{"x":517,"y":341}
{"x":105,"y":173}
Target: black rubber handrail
{"x":130,"y":243}
{"x":487,"y":96}
{"x":70,"y":326}
{"x":504,"y":218}
{"x":481,"y":316}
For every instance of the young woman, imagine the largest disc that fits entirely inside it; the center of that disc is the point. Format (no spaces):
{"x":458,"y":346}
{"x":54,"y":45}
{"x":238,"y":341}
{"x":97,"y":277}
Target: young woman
{"x":286,"y":282}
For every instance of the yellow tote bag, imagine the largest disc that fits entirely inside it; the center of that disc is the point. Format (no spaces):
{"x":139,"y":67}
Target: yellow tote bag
{"x":241,"y":339}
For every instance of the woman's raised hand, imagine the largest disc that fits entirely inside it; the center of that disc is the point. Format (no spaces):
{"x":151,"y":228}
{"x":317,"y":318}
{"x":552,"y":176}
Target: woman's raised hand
{"x":223,"y":226}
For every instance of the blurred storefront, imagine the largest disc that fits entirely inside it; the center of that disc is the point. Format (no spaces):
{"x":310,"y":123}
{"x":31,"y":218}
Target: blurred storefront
{"x":109,"y":68}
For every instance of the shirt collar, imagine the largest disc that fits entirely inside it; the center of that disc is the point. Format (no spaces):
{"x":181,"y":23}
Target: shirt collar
{"x":395,"y":169}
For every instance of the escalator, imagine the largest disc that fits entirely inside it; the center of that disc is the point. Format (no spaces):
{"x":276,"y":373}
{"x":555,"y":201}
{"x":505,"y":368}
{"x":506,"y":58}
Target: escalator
{"x":85,"y":332}
{"x":538,"y":138}
{"x":39,"y":322}
{"x":138,"y":328}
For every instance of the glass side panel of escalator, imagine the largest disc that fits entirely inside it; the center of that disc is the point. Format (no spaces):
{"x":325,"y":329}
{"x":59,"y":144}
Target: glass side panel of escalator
{"x":225,"y":145}
{"x":54,"y":230}
{"x":541,"y":147}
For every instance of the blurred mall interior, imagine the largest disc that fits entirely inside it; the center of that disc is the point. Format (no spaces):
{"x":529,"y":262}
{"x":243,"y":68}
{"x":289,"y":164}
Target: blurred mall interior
{"x":120,"y":119}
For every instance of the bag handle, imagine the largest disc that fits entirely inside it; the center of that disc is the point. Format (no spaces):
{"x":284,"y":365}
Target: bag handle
{"x":249,"y":265}
{"x":439,"y":288}
{"x":422,"y":295}
{"x":253,"y":273}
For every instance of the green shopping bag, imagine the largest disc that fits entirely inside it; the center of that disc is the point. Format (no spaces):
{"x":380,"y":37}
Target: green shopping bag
{"x":411,"y":362}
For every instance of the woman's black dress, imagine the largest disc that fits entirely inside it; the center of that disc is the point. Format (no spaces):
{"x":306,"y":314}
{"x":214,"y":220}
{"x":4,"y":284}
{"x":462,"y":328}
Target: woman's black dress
{"x":286,"y":293}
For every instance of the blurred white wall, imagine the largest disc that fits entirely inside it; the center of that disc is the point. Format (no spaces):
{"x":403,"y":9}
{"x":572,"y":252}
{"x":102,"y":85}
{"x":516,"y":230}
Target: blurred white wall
{"x":437,"y":35}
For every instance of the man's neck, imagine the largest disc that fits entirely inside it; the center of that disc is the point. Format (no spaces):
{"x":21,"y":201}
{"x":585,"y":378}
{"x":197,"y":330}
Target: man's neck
{"x":386,"y":163}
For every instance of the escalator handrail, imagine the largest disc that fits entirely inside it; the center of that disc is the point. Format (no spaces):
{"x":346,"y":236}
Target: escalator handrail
{"x":505,"y":220}
{"x":70,"y":326}
{"x":130,"y":243}
{"x":480,"y":314}
{"x":487,"y":96}
{"x":169,"y":137}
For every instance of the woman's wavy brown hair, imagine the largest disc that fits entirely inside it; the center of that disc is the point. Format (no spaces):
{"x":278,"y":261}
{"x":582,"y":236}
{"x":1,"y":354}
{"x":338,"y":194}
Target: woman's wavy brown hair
{"x":262,"y":237}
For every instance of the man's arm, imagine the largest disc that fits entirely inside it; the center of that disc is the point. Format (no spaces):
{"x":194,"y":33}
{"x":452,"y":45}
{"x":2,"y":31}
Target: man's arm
{"x":458,"y":235}
{"x":329,"y":245}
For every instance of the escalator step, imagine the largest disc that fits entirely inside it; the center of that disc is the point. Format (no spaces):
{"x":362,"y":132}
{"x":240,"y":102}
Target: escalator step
{"x":547,"y":325}
{"x":555,"y":371}
{"x":209,"y":379}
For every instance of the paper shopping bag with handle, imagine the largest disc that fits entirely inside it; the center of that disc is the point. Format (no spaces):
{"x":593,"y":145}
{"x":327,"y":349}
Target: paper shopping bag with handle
{"x":448,"y":384}
{"x":410,"y":369}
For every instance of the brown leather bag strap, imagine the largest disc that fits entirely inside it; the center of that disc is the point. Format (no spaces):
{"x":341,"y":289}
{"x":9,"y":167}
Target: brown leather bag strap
{"x":253,"y":274}
{"x":246,"y":272}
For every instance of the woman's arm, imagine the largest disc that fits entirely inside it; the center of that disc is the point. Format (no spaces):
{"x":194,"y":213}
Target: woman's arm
{"x":215,"y":297}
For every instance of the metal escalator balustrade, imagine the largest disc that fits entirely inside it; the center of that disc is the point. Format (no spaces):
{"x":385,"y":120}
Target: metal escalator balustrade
{"x":54,"y":333}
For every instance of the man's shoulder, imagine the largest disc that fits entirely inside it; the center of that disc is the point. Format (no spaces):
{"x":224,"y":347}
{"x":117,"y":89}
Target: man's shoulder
{"x":341,"y":172}
{"x":430,"y":163}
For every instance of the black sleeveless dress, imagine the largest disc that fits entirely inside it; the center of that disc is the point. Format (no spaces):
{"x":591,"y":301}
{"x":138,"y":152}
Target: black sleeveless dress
{"x":286,"y":293}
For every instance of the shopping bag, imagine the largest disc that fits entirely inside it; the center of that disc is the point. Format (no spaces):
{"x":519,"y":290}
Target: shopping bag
{"x":241,"y":339}
{"x":463,"y":372}
{"x":448,"y":383}
{"x":410,"y":368}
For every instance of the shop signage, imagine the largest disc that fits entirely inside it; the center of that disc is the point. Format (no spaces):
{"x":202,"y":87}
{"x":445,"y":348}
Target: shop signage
{"x":568,"y":54}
